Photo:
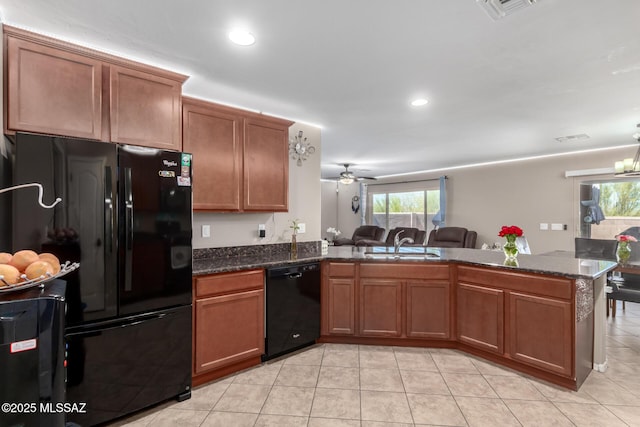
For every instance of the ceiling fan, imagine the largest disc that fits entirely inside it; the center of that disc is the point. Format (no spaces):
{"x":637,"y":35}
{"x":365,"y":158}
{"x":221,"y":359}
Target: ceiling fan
{"x":347,"y":177}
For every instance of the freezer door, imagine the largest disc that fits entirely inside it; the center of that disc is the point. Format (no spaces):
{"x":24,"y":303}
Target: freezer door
{"x":155,"y":229}
{"x":121,"y":366}
{"x":81,"y":228}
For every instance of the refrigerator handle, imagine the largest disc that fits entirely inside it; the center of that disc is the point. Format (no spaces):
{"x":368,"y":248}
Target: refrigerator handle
{"x":128,"y":203}
{"x":108,"y":208}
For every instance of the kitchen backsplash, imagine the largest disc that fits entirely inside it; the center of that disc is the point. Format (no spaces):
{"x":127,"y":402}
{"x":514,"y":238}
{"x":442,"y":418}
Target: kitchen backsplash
{"x":304,"y":248}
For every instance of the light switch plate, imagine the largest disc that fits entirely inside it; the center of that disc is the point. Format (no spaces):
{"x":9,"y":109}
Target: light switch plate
{"x":544,"y":226}
{"x":302,"y":228}
{"x":206,"y":231}
{"x":557,"y":227}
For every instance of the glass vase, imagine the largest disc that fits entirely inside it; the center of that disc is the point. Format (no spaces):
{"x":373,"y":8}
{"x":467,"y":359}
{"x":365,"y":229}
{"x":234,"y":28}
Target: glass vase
{"x":510,"y":249}
{"x":623,"y":252}
{"x":294,"y":247}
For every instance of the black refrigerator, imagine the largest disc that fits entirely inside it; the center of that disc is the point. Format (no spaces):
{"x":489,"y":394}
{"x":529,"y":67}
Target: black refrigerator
{"x":126,"y":217}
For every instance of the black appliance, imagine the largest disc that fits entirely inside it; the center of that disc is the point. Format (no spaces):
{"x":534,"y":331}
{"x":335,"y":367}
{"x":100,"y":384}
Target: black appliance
{"x":32,"y":357}
{"x":293,"y":308}
{"x":126,"y":217}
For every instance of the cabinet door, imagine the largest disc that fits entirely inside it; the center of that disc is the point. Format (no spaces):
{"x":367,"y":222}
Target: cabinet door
{"x":480,"y":315}
{"x":145,"y":109}
{"x":266,"y":165}
{"x":541,"y":331}
{"x":213,"y":136}
{"x":228,"y":329}
{"x":428,"y":309}
{"x":380,"y":308}
{"x":341,"y":306}
{"x":52,"y":91}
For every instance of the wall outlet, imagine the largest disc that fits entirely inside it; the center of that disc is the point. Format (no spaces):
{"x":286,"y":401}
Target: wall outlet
{"x":262,"y":230}
{"x":557,"y":227}
{"x":206,"y":231}
{"x":544,"y":226}
{"x":302,"y":228}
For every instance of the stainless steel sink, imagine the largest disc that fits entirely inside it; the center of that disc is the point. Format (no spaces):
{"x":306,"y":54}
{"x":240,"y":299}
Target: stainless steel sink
{"x":401,"y":255}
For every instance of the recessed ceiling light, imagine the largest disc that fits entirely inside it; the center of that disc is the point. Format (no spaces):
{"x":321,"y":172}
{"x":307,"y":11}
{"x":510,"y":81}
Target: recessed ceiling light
{"x":419,"y":102}
{"x":242,"y":37}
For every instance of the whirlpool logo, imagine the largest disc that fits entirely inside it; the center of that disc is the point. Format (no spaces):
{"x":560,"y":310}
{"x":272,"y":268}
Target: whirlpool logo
{"x":169,"y":163}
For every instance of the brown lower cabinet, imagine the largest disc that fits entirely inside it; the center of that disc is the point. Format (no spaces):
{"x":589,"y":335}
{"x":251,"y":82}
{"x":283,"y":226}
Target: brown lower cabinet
{"x":380,"y":308}
{"x":541,"y":332}
{"x":228,"y":330}
{"x":523,"y":321}
{"x":480,"y":315}
{"x":389,"y":301}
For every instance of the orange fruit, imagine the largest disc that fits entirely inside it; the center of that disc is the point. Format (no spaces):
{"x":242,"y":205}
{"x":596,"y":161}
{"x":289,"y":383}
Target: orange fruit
{"x":37,"y":269}
{"x":23,"y":258}
{"x":10,"y":274}
{"x":5,"y":257}
{"x":51,"y":259}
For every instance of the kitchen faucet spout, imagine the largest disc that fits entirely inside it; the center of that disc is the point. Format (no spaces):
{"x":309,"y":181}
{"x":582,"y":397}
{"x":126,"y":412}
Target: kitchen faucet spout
{"x":397,"y":242}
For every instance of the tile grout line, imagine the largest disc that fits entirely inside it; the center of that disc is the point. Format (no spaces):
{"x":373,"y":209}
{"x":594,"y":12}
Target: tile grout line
{"x":406,"y":398}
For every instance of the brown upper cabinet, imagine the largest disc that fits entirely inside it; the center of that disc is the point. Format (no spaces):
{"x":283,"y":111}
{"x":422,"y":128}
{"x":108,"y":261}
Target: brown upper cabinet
{"x":59,"y":88}
{"x":241,"y":159}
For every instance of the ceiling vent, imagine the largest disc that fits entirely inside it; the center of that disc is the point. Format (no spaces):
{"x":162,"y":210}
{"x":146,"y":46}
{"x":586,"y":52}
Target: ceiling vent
{"x":498,"y":9}
{"x":569,"y":138}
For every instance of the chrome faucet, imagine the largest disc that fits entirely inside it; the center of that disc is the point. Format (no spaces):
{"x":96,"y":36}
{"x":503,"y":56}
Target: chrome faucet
{"x":397,"y":242}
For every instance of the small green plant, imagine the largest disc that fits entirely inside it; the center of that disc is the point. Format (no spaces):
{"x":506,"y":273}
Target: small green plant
{"x":294,"y":226}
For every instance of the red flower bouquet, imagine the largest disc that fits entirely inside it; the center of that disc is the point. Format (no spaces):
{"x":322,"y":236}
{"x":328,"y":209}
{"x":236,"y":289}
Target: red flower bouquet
{"x":513,"y":230}
{"x":623,"y":251}
{"x":510,"y":233}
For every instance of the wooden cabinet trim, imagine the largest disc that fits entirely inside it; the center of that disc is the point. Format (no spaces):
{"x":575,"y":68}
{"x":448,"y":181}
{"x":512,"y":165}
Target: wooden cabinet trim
{"x":529,"y":283}
{"x":405,"y":271}
{"x":341,"y":269}
{"x":91,"y":53}
{"x":223,"y":283}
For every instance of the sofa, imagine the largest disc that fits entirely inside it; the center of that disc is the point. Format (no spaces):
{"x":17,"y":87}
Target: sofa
{"x":416,"y":234}
{"x":452,"y":237}
{"x":364,"y":232}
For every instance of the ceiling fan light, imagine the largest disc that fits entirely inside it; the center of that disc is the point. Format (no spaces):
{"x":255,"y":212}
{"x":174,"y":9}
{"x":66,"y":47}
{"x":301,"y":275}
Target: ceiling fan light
{"x":419,"y":102}
{"x":242,"y":37}
{"x":346,"y":180}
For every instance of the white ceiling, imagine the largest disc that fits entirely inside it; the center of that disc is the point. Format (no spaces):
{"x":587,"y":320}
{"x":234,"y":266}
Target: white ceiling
{"x":497,"y":89}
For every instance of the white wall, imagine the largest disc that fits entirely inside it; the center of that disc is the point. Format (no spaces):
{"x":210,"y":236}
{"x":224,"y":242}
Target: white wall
{"x":240,"y":229}
{"x":524,"y":193}
{"x":336,"y":208}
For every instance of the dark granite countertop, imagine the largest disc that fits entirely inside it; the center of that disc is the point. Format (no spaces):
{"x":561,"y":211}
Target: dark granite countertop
{"x":553,"y":264}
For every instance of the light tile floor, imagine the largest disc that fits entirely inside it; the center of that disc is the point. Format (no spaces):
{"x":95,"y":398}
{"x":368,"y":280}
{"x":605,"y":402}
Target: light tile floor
{"x":366,"y":386}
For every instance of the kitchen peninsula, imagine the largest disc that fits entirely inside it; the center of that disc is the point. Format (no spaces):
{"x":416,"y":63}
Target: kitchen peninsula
{"x":543,"y":316}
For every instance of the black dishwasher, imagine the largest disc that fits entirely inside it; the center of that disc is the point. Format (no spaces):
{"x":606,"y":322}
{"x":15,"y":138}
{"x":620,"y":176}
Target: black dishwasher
{"x":293,"y":308}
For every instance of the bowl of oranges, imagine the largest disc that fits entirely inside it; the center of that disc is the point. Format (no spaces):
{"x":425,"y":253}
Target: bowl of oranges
{"x":27,"y":268}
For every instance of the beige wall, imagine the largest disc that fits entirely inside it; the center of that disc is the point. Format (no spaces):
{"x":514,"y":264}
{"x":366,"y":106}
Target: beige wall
{"x":523,"y":193}
{"x":240,"y":229}
{"x":336,"y":208}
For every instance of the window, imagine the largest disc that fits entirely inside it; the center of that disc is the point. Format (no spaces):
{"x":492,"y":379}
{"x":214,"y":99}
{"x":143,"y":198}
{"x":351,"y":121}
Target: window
{"x":403,"y":205}
{"x":620,"y":204}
